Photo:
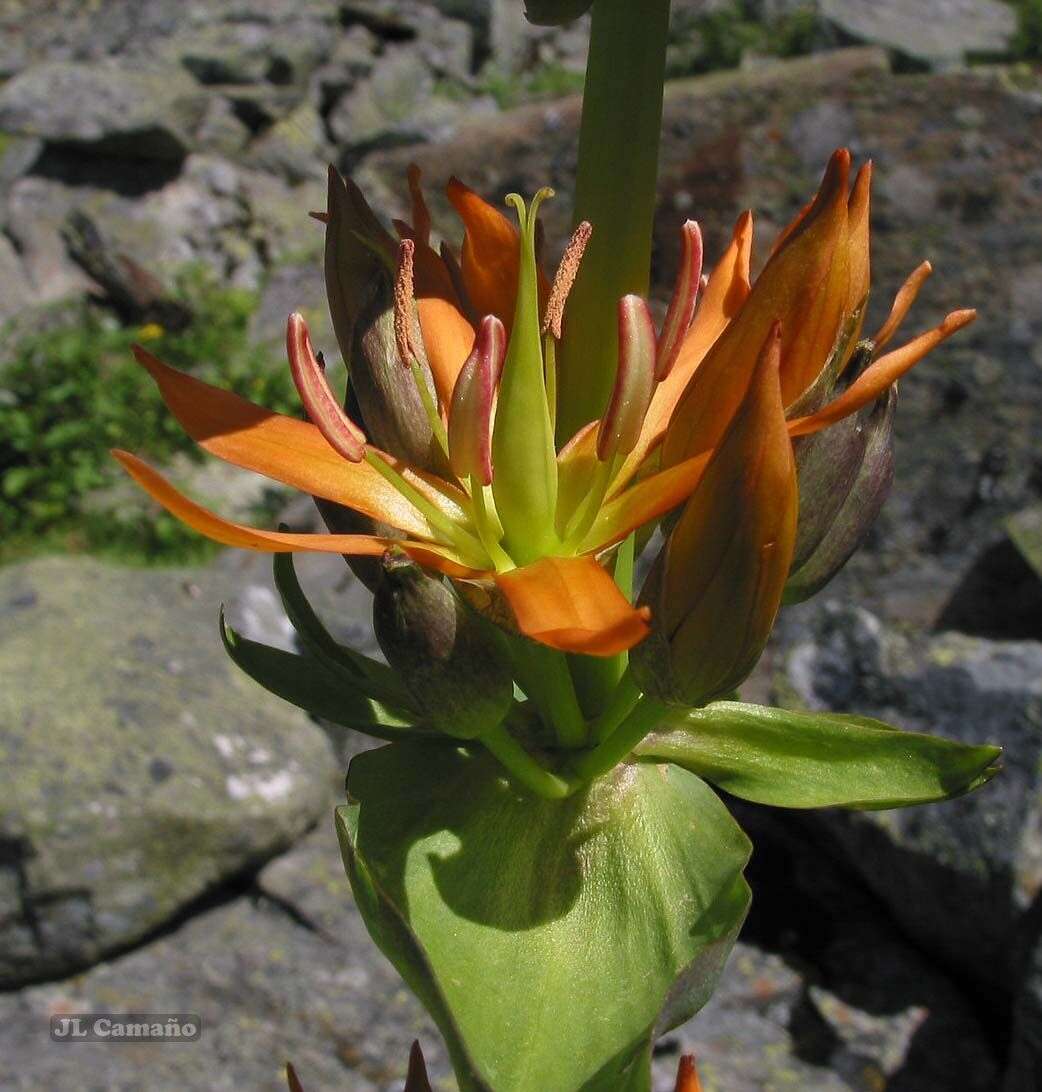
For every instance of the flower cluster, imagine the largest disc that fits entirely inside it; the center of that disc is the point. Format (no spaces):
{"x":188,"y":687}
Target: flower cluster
{"x":754,"y":424}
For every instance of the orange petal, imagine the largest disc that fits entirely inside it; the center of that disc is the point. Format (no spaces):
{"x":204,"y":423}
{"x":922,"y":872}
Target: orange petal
{"x":491,"y":254}
{"x":802,"y":286}
{"x":858,"y":212}
{"x":573,"y":605}
{"x":275,"y":542}
{"x":448,"y":338}
{"x":646,"y":501}
{"x":879,"y":375}
{"x":576,"y":462}
{"x":291,"y":451}
{"x":727,"y":290}
{"x":903,"y":301}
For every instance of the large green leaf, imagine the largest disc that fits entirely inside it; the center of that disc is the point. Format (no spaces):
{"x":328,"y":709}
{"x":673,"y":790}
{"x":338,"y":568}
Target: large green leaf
{"x":550,"y":940}
{"x":304,"y":681}
{"x":813,"y":760}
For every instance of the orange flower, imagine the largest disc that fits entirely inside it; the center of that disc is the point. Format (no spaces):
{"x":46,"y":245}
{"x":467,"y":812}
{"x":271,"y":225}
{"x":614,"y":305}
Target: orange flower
{"x":453,"y":365}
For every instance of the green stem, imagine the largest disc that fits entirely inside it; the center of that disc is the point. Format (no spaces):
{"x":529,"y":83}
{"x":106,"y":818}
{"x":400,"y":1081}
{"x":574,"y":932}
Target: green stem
{"x":486,"y":532}
{"x":621,"y":703}
{"x":607,"y":755}
{"x":615,"y":191}
{"x":543,"y":674}
{"x":597,"y":677}
{"x":523,"y":766}
{"x":462,"y":540}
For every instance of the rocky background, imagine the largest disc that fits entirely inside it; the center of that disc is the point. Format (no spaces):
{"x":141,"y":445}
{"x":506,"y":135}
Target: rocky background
{"x":165,"y":835}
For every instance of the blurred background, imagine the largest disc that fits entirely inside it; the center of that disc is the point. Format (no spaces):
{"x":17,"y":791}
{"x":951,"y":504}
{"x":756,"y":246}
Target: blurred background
{"x":165,"y":834}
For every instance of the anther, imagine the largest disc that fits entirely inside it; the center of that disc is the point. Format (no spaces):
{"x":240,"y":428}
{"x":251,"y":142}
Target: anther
{"x":565,"y":278}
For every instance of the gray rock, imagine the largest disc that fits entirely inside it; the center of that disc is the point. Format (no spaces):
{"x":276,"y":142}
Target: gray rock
{"x":294,"y":148}
{"x":143,"y":773}
{"x":17,"y":290}
{"x":961,"y":877}
{"x":939,"y":32}
{"x":398,"y":104}
{"x":36,"y":212}
{"x":445,"y":45}
{"x":288,"y":973}
{"x":105,"y":109}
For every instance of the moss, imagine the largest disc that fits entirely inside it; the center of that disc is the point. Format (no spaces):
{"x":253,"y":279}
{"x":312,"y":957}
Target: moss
{"x":71,"y":391}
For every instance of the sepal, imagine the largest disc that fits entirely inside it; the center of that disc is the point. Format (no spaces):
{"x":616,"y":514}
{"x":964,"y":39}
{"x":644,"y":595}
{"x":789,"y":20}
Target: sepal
{"x":303,"y":681}
{"x":373,"y":677}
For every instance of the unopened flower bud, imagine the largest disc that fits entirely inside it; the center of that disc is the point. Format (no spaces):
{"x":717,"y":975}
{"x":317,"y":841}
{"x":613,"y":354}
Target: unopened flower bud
{"x":448,"y":656}
{"x":359,"y":262}
{"x":844,"y":473}
{"x":716,"y":586}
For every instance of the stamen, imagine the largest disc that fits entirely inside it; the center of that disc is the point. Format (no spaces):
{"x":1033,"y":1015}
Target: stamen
{"x":902,"y":304}
{"x":682,"y":305}
{"x":322,"y":408}
{"x":565,"y":278}
{"x":404,"y":292}
{"x":470,"y":418}
{"x":421,"y":216}
{"x":634,"y":380}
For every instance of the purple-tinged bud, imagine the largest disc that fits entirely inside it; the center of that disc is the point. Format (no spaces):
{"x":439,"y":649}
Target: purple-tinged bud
{"x":844,"y":474}
{"x":359,"y":263}
{"x":448,"y":657}
{"x":682,"y":305}
{"x":634,"y":380}
{"x":340,"y":432}
{"x":470,"y":417}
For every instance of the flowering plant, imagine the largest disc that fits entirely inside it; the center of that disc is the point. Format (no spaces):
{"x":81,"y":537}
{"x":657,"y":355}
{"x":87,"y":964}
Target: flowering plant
{"x":537,"y":849}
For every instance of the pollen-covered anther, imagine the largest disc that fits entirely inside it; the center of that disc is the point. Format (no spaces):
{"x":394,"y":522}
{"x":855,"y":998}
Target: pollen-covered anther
{"x":470,"y":416}
{"x":634,"y":380}
{"x":404,"y":303}
{"x":565,"y":278}
{"x":321,"y":405}
{"x":682,"y":305}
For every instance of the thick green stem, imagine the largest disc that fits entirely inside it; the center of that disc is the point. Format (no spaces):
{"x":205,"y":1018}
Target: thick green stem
{"x":525,"y":769}
{"x":598,"y":677}
{"x":604,"y":757}
{"x":543,"y":675}
{"x":615,"y":191}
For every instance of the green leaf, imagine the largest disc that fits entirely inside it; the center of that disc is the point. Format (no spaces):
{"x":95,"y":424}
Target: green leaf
{"x":303,"y":681}
{"x":555,"y":13}
{"x":550,"y":940}
{"x":814,"y":760}
{"x":359,"y":671}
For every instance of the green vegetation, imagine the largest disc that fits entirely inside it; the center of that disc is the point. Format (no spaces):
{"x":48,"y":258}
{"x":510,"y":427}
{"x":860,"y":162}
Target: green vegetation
{"x":72,"y":391}
{"x":546,"y":81}
{"x":1027,"y":43}
{"x":717,"y":39}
